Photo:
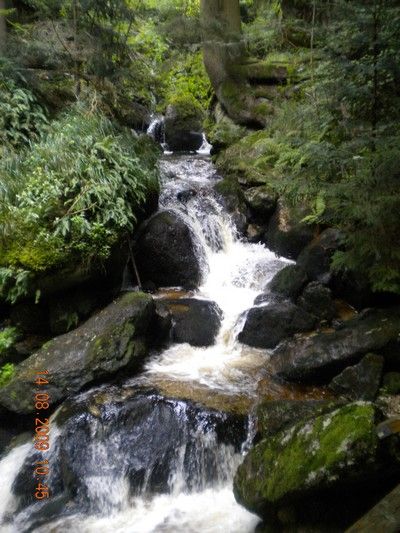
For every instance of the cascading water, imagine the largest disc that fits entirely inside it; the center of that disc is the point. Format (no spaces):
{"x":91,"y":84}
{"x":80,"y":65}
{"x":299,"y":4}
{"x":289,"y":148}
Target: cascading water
{"x":130,"y":458}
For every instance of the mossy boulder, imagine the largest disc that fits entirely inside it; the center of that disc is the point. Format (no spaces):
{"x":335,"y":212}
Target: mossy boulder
{"x":274,"y":416}
{"x":251,"y":160}
{"x":114,"y":339}
{"x":183,"y":124}
{"x":221,"y":130}
{"x":285,"y":478}
{"x":316,"y":257}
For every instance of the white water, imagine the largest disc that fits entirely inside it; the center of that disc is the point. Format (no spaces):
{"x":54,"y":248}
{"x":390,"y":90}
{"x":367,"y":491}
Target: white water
{"x":235,"y":272}
{"x":9,"y":468}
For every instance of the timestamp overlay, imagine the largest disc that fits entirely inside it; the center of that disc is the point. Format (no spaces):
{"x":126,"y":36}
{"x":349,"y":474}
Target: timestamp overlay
{"x":42,"y":434}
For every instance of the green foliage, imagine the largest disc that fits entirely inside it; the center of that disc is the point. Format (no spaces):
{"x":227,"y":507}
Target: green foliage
{"x":6,"y":373}
{"x":334,"y":144}
{"x":21,"y":117}
{"x":188,"y":79}
{"x":80,"y":188}
{"x":8,"y":337}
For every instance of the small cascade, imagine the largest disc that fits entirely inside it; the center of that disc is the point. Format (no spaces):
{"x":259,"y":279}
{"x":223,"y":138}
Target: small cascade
{"x":131,"y":458}
{"x":156,"y":130}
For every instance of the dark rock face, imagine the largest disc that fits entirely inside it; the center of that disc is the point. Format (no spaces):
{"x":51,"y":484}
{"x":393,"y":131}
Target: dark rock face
{"x":361,"y":381}
{"x":317,"y":300}
{"x":288,"y":282}
{"x":167,"y":252}
{"x":113,"y":339}
{"x":194,"y":321}
{"x":266,"y":326}
{"x":261,"y":202}
{"x":317,"y":472}
{"x":286,"y":234}
{"x":321,"y":356}
{"x":144,"y":434}
{"x":182,"y":133}
{"x":391,"y":382}
{"x":68,"y":309}
{"x":275,"y":415}
{"x":315,"y":259}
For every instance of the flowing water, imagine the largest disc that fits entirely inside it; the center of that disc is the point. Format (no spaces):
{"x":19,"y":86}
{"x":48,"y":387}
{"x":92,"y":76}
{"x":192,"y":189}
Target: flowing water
{"x":138,"y":460}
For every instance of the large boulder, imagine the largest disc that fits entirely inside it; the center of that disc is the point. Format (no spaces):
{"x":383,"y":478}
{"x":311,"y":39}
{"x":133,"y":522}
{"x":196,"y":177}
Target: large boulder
{"x":275,"y":415}
{"x":305,"y":474}
{"x":168,"y":253}
{"x":320,"y":357}
{"x":287,"y":234}
{"x":196,"y":322}
{"x":288,"y":282}
{"x":315,"y":259}
{"x":112,"y":340}
{"x":267,"y":325}
{"x":360,"y":381}
{"x":138,"y":438}
{"x":261,"y":202}
{"x":183,"y":125}
{"x":317,"y":300}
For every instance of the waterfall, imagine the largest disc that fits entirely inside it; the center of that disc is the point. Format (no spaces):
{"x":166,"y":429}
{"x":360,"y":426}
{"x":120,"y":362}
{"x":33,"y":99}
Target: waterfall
{"x":130,"y":457}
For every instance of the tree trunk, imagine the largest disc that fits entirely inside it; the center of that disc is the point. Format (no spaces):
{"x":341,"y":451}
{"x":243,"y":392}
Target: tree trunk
{"x":3,"y":28}
{"x":223,"y":52}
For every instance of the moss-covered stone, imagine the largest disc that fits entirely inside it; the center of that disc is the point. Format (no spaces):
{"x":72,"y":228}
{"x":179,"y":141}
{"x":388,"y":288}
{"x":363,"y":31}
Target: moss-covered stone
{"x":335,"y":449}
{"x":8,"y":337}
{"x":252,"y":159}
{"x":112,"y":340}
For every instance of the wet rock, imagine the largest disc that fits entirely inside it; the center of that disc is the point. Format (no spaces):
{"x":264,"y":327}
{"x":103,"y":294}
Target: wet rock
{"x":317,"y":300}
{"x":275,"y":415}
{"x":287,"y":235}
{"x":196,"y":322}
{"x":145,"y":434}
{"x":315,"y":259}
{"x":167,"y":252}
{"x":183,"y":127}
{"x":320,"y":357}
{"x":361,"y":381}
{"x":254,"y":232}
{"x":316,"y":470}
{"x":261,"y":202}
{"x":111,"y":340}
{"x":266,"y":326}
{"x":391,"y":382}
{"x":288,"y":282}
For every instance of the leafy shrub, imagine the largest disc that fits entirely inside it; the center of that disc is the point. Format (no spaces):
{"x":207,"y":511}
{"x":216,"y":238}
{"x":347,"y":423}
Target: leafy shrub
{"x":21,"y":117}
{"x":8,"y":337}
{"x":80,"y":188}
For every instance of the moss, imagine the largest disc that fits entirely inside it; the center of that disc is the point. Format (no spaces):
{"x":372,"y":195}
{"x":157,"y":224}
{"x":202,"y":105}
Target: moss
{"x":34,"y":256}
{"x":311,"y":454}
{"x":253,"y":158}
{"x":6,"y":373}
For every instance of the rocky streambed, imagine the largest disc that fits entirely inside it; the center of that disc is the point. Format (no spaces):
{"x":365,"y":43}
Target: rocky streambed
{"x":238,"y":392}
